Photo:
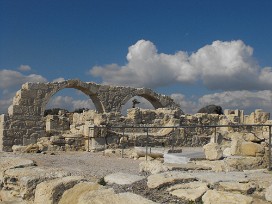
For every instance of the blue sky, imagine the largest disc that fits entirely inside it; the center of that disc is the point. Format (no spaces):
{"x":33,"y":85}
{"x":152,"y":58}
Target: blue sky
{"x":199,"y":52}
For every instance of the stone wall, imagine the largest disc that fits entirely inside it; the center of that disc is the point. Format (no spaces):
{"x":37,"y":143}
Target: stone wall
{"x":24,"y":121}
{"x":57,"y":123}
{"x":100,"y":127}
{"x":256,"y":117}
{"x":20,"y":130}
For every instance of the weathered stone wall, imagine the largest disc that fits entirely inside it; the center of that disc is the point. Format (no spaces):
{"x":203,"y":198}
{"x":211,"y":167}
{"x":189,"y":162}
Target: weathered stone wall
{"x":200,"y":136}
{"x":20,"y":130}
{"x":24,"y":121}
{"x":160,"y":117}
{"x":57,"y":123}
{"x":256,"y":117}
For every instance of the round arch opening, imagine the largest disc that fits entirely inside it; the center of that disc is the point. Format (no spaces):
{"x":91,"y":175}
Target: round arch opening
{"x":136,"y":101}
{"x":69,"y":99}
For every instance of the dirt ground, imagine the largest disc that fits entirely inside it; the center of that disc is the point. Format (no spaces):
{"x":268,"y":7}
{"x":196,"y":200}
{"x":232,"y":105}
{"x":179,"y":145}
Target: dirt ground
{"x":88,"y":164}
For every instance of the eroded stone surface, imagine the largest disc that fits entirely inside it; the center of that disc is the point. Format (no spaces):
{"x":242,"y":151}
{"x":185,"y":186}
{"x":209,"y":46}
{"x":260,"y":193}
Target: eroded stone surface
{"x":166,"y":178}
{"x":190,"y":194}
{"x":23,"y":181}
{"x":122,"y":178}
{"x":245,"y":188}
{"x":73,"y":194}
{"x":213,"y":151}
{"x":214,"y":196}
{"x":49,"y":192}
{"x":268,"y":193}
{"x":192,"y":191}
{"x":105,"y":196}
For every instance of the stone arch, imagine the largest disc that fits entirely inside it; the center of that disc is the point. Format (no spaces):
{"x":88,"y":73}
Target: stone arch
{"x":157,"y":100}
{"x":89,"y":89}
{"x":24,"y":122}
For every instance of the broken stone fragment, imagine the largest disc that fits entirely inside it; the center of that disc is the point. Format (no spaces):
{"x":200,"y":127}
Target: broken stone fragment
{"x":212,"y":151}
{"x":49,"y":192}
{"x":122,"y":178}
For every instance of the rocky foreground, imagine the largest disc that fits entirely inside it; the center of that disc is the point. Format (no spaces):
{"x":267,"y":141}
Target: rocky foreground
{"x":84,"y":177}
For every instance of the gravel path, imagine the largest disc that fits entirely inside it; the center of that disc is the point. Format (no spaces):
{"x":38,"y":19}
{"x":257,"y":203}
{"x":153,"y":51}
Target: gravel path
{"x":87,"y":164}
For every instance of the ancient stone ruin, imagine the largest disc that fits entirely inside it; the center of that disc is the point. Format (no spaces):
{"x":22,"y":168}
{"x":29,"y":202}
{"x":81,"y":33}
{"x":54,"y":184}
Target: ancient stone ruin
{"x":233,"y":168}
{"x":24,"y":124}
{"x":106,"y":127}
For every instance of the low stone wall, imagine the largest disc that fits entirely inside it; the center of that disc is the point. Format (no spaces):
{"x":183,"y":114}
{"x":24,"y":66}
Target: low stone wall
{"x":20,"y":130}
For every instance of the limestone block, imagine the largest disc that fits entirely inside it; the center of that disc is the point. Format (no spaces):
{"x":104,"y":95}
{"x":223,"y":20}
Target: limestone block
{"x":159,"y":180}
{"x":251,"y":149}
{"x":252,"y":137}
{"x":244,"y":163}
{"x":73,"y":194}
{"x":57,"y":140}
{"x":191,"y":185}
{"x":49,"y":192}
{"x":268,"y":194}
{"x":32,"y":148}
{"x":248,"y":137}
{"x":245,"y":188}
{"x":213,"y":178}
{"x":13,"y":162}
{"x":152,"y":152}
{"x":261,"y":116}
{"x":32,"y":86}
{"x":213,"y":196}
{"x":18,"y":148}
{"x":239,"y":146}
{"x":192,"y":191}
{"x":148,"y":158}
{"x":55,"y":148}
{"x":3,"y":119}
{"x":97,"y":143}
{"x":212,"y":151}
{"x":227,"y":152}
{"x":216,"y":165}
{"x":23,"y":181}
{"x":122,"y":178}
{"x":106,"y":196}
{"x":190,"y":166}
{"x":152,"y":167}
{"x":235,"y":146}
{"x":86,"y":129}
{"x":190,"y":194}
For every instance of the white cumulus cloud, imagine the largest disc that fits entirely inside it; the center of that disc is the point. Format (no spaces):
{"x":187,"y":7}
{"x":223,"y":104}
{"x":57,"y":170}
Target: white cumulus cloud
{"x":60,"y":79}
{"x":243,"y":100}
{"x":11,"y":78}
{"x":24,"y":68}
{"x":10,"y":82}
{"x":220,"y":66}
{"x":69,"y":103}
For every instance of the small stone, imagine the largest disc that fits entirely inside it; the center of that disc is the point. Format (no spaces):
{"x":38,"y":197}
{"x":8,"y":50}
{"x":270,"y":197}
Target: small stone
{"x":213,"y":151}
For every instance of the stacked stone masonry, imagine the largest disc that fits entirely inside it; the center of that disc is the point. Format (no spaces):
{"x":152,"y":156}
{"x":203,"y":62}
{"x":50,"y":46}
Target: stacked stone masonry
{"x":24,"y":124}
